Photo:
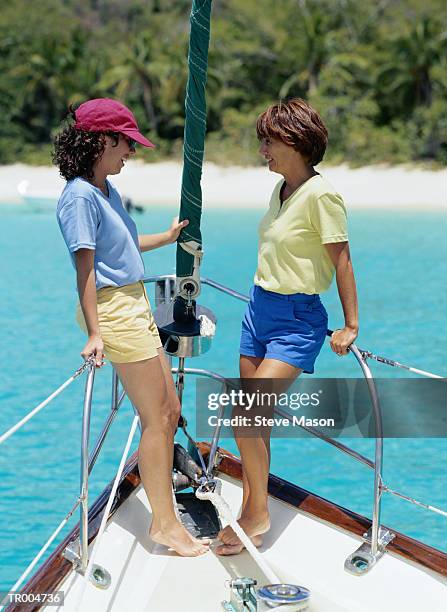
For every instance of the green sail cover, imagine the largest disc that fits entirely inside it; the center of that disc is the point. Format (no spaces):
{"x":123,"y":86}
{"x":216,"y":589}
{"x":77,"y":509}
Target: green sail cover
{"x":194,"y":137}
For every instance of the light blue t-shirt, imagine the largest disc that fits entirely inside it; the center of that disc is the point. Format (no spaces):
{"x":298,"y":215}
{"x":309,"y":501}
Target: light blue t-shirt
{"x":90,"y":220}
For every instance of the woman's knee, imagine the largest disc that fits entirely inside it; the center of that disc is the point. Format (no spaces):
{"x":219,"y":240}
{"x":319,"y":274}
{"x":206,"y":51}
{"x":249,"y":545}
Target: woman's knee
{"x":175,"y":411}
{"x":165,"y":419}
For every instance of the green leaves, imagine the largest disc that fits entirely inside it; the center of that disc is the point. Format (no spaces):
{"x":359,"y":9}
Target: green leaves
{"x":377,"y":71}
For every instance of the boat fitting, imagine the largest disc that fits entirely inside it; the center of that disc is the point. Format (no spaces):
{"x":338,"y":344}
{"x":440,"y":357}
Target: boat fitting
{"x":72,"y":554}
{"x":285,"y":596}
{"x":189,"y":335}
{"x":100,"y":577}
{"x":180,"y":482}
{"x":363,"y":559}
{"x":242,"y":596}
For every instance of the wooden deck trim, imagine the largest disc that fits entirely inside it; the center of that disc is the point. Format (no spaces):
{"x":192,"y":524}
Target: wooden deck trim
{"x":413,"y":550}
{"x":56,"y":567}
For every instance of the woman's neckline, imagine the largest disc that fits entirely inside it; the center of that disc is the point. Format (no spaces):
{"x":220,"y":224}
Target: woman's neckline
{"x":107,"y":196}
{"x":283,"y":184}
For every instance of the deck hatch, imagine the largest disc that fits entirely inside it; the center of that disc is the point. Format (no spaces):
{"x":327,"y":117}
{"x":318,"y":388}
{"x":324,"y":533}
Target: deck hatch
{"x":199,"y":517}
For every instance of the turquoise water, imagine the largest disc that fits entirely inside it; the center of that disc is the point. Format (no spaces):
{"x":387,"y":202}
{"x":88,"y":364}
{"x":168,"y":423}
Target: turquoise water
{"x":400,"y":263}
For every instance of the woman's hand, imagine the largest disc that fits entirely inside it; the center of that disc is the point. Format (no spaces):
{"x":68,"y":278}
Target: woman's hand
{"x":175,"y":229}
{"x":341,"y":339}
{"x":94,"y":346}
{"x":148,"y":242}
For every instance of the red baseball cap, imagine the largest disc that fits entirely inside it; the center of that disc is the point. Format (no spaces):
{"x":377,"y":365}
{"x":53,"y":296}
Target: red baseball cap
{"x":105,"y":114}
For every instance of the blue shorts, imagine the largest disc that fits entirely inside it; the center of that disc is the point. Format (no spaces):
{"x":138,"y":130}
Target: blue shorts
{"x":290,"y":328}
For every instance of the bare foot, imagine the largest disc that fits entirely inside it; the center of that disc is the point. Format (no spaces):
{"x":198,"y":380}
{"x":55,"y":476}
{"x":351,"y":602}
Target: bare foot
{"x":254,"y":527}
{"x":177,"y":538}
{"x":235,"y":549}
{"x":205,"y":541}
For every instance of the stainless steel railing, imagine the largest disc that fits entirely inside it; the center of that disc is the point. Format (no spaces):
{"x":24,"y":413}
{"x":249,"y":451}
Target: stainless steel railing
{"x":376,"y":540}
{"x":377,"y":536}
{"x":78,"y":555}
{"x":83,"y":525}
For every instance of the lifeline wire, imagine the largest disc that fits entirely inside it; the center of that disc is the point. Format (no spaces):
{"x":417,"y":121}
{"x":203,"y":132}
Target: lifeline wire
{"x":44,"y":548}
{"x":390,"y":362}
{"x":414,"y":501}
{"x":396,"y":364}
{"x":42,"y":405}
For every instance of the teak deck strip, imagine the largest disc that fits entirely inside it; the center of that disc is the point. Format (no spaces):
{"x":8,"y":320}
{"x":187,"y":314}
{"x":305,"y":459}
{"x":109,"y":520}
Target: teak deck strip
{"x":422,"y":554}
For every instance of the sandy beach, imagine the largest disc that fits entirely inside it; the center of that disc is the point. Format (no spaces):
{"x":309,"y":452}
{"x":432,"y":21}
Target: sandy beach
{"x":235,"y":187}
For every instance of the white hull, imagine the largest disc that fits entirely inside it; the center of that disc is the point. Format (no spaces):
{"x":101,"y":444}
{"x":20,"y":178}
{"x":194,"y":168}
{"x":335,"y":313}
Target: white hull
{"x":299,"y":548}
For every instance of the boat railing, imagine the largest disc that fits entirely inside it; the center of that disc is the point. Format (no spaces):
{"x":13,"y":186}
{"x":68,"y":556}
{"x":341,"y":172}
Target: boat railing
{"x":377,"y":537}
{"x":77,"y":552}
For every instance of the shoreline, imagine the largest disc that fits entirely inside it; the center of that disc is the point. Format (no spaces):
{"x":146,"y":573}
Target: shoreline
{"x":158,"y":184}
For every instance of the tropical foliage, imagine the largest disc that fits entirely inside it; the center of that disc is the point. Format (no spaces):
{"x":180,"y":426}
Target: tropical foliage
{"x":376,"y":70}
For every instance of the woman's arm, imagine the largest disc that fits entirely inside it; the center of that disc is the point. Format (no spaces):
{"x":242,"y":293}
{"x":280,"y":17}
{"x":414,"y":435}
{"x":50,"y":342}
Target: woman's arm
{"x":87,"y":296}
{"x":344,"y":274}
{"x":148,"y":242}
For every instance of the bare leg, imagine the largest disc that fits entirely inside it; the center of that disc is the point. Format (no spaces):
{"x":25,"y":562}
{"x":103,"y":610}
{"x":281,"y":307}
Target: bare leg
{"x":255,"y":455}
{"x":149,"y":386}
{"x":247,"y":369}
{"x":173,"y":398}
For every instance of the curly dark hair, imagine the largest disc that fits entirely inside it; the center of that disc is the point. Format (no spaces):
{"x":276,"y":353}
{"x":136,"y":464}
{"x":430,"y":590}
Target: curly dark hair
{"x":298,"y":125}
{"x":75,"y":151}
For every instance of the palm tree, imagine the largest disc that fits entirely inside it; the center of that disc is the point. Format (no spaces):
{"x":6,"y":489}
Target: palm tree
{"x":38,"y":77}
{"x":405,"y":78}
{"x":151,"y":73}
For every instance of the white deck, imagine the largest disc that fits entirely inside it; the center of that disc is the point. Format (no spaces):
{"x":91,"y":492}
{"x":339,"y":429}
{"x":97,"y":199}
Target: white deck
{"x":300,"y":549}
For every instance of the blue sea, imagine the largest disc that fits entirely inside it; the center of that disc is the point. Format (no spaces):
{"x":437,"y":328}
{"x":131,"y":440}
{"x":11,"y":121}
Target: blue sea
{"x":400,"y":265}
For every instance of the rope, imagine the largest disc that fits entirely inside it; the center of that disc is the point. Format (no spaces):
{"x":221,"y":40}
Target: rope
{"x":42,"y":405}
{"x":105,"y":516}
{"x":224,"y":510}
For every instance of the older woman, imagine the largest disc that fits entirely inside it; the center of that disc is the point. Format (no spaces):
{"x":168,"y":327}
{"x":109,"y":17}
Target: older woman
{"x":113,"y":309}
{"x":303,"y":241}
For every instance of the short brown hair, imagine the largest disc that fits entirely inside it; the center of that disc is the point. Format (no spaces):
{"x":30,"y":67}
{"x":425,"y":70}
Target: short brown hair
{"x":298,"y":125}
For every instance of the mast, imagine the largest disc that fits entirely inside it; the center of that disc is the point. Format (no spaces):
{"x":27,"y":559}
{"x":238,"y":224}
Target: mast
{"x":189,"y":244}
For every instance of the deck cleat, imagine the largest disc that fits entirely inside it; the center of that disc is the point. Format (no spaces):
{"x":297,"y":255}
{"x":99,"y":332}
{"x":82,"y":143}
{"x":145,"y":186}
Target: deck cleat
{"x":285,"y":596}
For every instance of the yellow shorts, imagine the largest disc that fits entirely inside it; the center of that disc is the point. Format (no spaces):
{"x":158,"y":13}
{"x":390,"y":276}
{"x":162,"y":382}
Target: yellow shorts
{"x":127,"y":325}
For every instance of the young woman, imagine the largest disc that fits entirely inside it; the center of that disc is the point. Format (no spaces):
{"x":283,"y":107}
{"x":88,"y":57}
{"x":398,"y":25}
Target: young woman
{"x":113,"y":307}
{"x":303,"y":240}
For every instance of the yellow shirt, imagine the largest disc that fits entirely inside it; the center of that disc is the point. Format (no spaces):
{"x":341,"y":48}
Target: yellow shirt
{"x":292,"y":257}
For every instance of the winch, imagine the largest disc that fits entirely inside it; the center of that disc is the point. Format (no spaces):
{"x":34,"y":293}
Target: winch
{"x":186,"y":329}
{"x":285,"y":597}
